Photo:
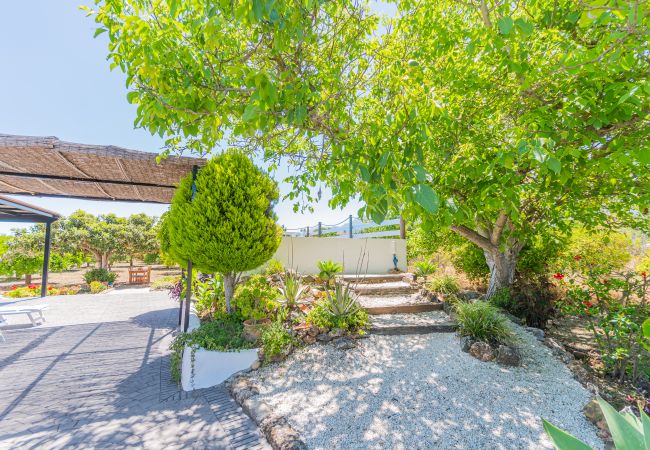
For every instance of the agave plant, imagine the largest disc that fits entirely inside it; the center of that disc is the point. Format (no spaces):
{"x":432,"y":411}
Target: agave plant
{"x":328,"y":270}
{"x":292,"y":289}
{"x":628,"y":431}
{"x":342,"y":302}
{"x":424,"y":269}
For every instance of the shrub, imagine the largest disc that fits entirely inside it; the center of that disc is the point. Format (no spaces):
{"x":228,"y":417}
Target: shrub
{"x":274,"y":267}
{"x":255,"y":299}
{"x":533,"y":299}
{"x":446,"y":285}
{"x":165,"y":283}
{"x":292,"y":289}
{"x":97,"y":286}
{"x":470,"y":259}
{"x":276,"y":340}
{"x":224,"y":335}
{"x":502,"y":299}
{"x":209,"y":295}
{"x":103,"y":275}
{"x":483,"y":322}
{"x":328,"y":270}
{"x":339,"y":309}
{"x":226,"y":223}
{"x":22,"y":292}
{"x":602,"y":250}
{"x":424,"y":269}
{"x":152,"y":258}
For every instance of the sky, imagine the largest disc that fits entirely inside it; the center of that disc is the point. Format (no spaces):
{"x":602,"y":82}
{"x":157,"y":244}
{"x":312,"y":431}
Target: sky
{"x":55,"y":81}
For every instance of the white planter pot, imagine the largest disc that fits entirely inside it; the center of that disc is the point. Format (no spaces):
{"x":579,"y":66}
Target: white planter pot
{"x":211,"y":367}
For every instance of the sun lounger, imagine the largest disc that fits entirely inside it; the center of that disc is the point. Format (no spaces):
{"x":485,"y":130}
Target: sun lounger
{"x":35,"y":313}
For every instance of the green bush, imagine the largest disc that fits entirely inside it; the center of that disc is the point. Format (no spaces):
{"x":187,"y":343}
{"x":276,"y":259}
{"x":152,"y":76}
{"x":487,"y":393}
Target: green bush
{"x":276,"y":340}
{"x":328,"y":270}
{"x":226,"y":224}
{"x":339,"y":309}
{"x":446,"y":285}
{"x":483,"y":322}
{"x":274,"y":267}
{"x":97,"y":286}
{"x":502,"y":299}
{"x":255,"y":299}
{"x":103,"y":275}
{"x":424,"y":268}
{"x":151,"y":258}
{"x":224,"y":335}
{"x":602,"y":250}
{"x":209,"y":295}
{"x":470,"y":259}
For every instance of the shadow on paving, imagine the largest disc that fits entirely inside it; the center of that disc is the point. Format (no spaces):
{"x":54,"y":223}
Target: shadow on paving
{"x":108,"y":385}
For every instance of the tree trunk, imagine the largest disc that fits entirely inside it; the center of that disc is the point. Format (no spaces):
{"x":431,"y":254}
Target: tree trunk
{"x":228,"y":289}
{"x":131,"y":262}
{"x":502,"y":268}
{"x":28,"y":279}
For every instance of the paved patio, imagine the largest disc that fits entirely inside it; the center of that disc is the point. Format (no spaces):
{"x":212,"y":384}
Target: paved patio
{"x":96,"y":375}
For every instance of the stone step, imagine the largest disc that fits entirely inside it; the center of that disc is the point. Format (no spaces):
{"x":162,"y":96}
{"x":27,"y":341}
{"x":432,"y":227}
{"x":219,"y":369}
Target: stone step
{"x":417,"y":323}
{"x":385,"y":289}
{"x":375,"y":278}
{"x":409,"y":303}
{"x":403,"y":308}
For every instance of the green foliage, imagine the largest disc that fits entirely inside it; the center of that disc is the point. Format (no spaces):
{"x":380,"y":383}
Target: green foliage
{"x":276,"y":340}
{"x":97,"y":286}
{"x":292,"y":289}
{"x":164,"y":283}
{"x":424,"y":268}
{"x":603,"y":250}
{"x":339,"y":309}
{"x":224,"y":335}
{"x":445,"y":284}
{"x":483,"y":322}
{"x":628,"y":431}
{"x":533,"y":299}
{"x":502,"y":299}
{"x":470,"y":259}
{"x":274,"y":267}
{"x":35,"y":291}
{"x":229,"y":226}
{"x":255,"y":299}
{"x":615,"y":306}
{"x":100,"y":274}
{"x":328,"y":270}
{"x":152,"y":258}
{"x":210,"y":295}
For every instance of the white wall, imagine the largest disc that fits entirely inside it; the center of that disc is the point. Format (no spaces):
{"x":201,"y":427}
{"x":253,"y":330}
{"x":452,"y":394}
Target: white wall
{"x":303,"y":253}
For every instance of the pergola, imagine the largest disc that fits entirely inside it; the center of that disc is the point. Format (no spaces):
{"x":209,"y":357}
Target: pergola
{"x":12,"y":210}
{"x":47,"y":166}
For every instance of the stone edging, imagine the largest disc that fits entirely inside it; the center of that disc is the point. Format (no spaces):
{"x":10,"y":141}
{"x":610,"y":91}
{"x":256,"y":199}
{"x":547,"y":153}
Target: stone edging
{"x":275,"y":428}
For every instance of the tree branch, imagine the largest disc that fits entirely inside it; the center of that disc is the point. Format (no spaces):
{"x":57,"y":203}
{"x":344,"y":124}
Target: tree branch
{"x":474,"y":237}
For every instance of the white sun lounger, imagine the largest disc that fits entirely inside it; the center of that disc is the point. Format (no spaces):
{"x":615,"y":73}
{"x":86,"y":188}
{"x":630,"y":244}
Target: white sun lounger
{"x":35,"y":313}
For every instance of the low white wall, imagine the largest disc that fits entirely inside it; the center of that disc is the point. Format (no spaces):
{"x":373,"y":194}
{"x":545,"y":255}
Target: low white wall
{"x":304,"y":253}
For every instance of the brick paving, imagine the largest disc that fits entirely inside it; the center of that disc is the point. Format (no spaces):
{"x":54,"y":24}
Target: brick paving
{"x":97,"y":376}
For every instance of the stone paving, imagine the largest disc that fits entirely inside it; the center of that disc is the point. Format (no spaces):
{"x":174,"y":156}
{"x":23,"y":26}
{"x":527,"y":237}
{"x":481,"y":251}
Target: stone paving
{"x":96,"y":375}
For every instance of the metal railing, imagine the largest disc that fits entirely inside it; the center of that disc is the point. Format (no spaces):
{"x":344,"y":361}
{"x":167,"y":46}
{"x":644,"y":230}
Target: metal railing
{"x":352,"y":227}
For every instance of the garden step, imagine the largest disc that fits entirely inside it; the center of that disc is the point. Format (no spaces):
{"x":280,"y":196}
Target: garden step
{"x":375,"y":278}
{"x":410,"y":303}
{"x":418,"y":323}
{"x":403,"y":308}
{"x":385,"y":289}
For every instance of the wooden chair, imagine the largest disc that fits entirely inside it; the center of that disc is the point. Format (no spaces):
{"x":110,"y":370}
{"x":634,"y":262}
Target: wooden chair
{"x":140,"y":275}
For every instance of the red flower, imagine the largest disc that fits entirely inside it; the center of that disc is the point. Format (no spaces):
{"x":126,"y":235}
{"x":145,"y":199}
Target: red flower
{"x":14,"y":287}
{"x":605,"y":281}
{"x":49,"y":288}
{"x":577,"y":257}
{"x":558,"y":276}
{"x":644,"y":275}
{"x":587,"y":304}
{"x":32,"y":286}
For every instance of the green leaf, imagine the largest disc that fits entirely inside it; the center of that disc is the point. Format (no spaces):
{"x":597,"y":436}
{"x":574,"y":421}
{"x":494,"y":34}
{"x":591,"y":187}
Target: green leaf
{"x":626,"y":436}
{"x":646,"y":429}
{"x":99,"y":31}
{"x":525,"y":27}
{"x":646,"y":328}
{"x":426,"y":197}
{"x":554,"y":164}
{"x":563,"y":440}
{"x":131,"y":97}
{"x":505,"y":25}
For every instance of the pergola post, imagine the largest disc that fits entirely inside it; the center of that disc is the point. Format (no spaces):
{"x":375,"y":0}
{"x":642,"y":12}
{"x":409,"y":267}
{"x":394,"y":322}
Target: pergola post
{"x":46,"y":258}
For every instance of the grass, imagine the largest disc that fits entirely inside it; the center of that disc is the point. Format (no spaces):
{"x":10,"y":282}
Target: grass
{"x":483,"y":322}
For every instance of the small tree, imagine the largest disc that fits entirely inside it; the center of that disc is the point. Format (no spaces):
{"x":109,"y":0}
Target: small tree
{"x":227,"y":225}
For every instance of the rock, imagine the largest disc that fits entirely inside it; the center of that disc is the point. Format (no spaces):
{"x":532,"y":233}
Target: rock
{"x":309,"y":339}
{"x":465,"y":343}
{"x":344,"y":343}
{"x":323,"y":337}
{"x":593,"y":413}
{"x":280,"y":434}
{"x":256,"y":364}
{"x":313,"y":331}
{"x":537,"y":332}
{"x":508,"y":356}
{"x":469,"y":295}
{"x":336,"y":333}
{"x":482,"y":351}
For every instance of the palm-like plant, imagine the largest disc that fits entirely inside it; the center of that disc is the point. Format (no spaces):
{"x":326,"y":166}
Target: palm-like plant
{"x":328,"y":270}
{"x":342,"y":301}
{"x":424,"y":269}
{"x":292,"y":289}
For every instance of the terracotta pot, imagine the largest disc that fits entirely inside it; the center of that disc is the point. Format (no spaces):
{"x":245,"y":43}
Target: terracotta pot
{"x":252,"y":330}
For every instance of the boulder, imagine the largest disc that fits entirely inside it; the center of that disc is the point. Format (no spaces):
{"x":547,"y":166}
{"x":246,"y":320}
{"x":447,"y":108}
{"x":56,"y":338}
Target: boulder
{"x":324,"y":337}
{"x":465,"y":343}
{"x":508,"y":356}
{"x":309,"y":339}
{"x":482,"y":351}
{"x":593,"y":413}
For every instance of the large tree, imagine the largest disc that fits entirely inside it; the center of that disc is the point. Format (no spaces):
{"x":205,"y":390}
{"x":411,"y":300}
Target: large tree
{"x":497,"y":119}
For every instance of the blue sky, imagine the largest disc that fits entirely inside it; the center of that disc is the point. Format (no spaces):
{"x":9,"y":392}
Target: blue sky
{"x":55,"y":81}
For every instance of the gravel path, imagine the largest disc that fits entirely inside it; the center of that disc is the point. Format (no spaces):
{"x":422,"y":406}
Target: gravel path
{"x":370,"y":301}
{"x":417,"y":319}
{"x":422,"y":392}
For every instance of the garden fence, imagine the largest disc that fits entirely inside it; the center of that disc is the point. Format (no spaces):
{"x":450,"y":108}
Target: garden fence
{"x":352,"y":227}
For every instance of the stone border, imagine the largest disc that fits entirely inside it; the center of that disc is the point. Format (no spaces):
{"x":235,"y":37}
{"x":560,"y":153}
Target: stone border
{"x":275,"y":428}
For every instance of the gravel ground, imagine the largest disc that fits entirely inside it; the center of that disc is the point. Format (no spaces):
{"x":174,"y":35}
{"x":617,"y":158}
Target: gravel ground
{"x":422,"y":392}
{"x":377,"y":300}
{"x":425,"y":318}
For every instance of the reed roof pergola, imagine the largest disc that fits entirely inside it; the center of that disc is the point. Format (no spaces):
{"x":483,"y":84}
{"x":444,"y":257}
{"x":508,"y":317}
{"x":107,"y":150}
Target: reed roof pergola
{"x":47,"y":166}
